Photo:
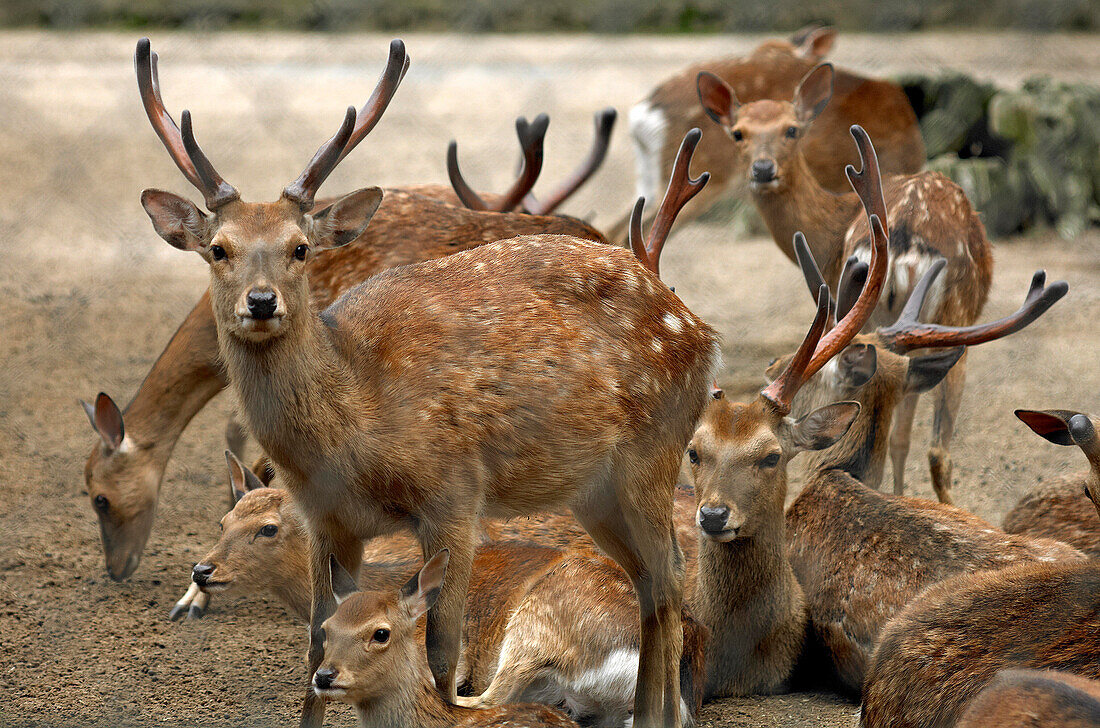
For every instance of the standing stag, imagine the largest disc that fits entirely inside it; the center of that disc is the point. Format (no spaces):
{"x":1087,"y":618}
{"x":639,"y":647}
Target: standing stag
{"x":125,"y":468}
{"x":930,"y":215}
{"x":771,"y":71}
{"x":502,"y":380}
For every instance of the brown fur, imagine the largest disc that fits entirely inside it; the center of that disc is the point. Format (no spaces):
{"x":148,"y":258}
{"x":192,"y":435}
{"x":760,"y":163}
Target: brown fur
{"x":946,"y":646}
{"x":189,"y":372}
{"x":1058,"y":510}
{"x":1035,"y":699}
{"x":773,"y":71}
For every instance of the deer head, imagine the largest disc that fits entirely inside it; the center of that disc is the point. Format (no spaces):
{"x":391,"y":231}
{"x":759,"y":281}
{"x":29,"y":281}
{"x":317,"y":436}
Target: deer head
{"x":257,"y":251}
{"x":766,"y":133}
{"x":1066,"y":427}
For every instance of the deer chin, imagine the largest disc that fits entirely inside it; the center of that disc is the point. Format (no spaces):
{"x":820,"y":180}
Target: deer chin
{"x":771,"y":185}
{"x":258,"y":330}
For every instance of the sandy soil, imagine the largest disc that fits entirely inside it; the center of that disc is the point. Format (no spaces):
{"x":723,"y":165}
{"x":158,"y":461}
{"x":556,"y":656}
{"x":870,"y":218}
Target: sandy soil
{"x":91,"y":295}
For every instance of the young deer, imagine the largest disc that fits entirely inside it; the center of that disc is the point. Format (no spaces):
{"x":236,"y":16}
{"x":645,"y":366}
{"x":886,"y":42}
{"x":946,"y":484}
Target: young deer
{"x":1058,"y":509}
{"x":125,"y":468}
{"x":856,"y":580}
{"x":772,"y":71}
{"x":931,"y":218}
{"x":936,"y":655}
{"x":437,"y":392}
{"x":1033,"y":698}
{"x":373,"y":661}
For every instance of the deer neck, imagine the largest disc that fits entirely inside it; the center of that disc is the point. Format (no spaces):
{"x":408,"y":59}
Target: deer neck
{"x":414,"y":704}
{"x":293,"y":586}
{"x":861,"y":453}
{"x":803,"y":205}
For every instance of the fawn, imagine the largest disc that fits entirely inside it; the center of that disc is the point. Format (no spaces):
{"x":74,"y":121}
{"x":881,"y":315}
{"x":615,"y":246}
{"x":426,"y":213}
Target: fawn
{"x":438,"y":392}
{"x":771,"y":71}
{"x":931,"y":218}
{"x":1026,"y":698}
{"x":125,"y":468}
{"x":373,"y":660}
{"x":1058,"y":509}
{"x":949,"y":642}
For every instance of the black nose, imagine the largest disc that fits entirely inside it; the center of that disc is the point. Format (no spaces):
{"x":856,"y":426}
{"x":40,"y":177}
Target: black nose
{"x":763,"y":170}
{"x":713,"y":520}
{"x":201,"y":572}
{"x":261,"y":304}
{"x":323,"y":677}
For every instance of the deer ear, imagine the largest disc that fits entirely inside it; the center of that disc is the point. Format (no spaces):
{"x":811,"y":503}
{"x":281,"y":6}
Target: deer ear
{"x":241,"y":479}
{"x":421,"y":591}
{"x":717,"y":98}
{"x":816,"y":44}
{"x":857,"y":364}
{"x":1052,"y":425}
{"x":176,"y":219}
{"x":346,"y":219}
{"x":929,"y":370}
{"x":343,"y":585}
{"x":824,"y":426}
{"x":264,"y":470}
{"x":813,"y":93}
{"x":1083,"y":432}
{"x":106,"y":419}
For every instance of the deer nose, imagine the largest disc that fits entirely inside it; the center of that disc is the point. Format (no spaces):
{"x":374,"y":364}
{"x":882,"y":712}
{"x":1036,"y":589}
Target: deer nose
{"x":262,"y":303}
{"x":323,"y":677}
{"x":763,"y":170}
{"x":713,"y":519}
{"x":201,"y":572}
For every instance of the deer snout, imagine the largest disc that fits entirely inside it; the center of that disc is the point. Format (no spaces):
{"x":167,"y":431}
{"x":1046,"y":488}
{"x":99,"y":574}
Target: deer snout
{"x":323,"y":678}
{"x":763,"y":171}
{"x":262,"y":303}
{"x":200,"y":573}
{"x":712,"y":519}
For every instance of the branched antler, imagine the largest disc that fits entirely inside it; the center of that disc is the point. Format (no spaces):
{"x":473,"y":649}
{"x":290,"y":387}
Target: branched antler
{"x":531,"y":138}
{"x":605,"y":123}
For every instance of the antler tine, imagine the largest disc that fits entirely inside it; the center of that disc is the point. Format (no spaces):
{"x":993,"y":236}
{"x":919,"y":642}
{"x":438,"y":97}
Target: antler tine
{"x":852,"y":279}
{"x":911,"y":313}
{"x":465,"y":193}
{"x":681,"y":188}
{"x":303,"y":189}
{"x":605,"y":123}
{"x":909,"y":334}
{"x":780,"y":393}
{"x":215,"y":190}
{"x":396,"y":66}
{"x":635,"y":240}
{"x":868,"y":181}
{"x":812,"y":273}
{"x":531,"y":139}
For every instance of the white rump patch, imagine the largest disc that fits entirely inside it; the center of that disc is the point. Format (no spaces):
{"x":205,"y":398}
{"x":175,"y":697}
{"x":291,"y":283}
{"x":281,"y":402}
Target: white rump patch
{"x":648,"y":126}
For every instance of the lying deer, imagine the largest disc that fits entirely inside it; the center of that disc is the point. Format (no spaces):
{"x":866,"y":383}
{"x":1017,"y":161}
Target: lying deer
{"x":125,"y":469}
{"x":856,"y":579}
{"x":930,"y":215}
{"x":949,"y":643}
{"x":441,"y":391}
{"x":1030,"y":698}
{"x":772,"y":71}
{"x":1058,"y":509}
{"x":373,"y":661}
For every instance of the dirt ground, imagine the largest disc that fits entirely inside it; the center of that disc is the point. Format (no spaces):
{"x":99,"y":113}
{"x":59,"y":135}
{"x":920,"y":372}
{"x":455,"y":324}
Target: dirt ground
{"x":91,"y":295}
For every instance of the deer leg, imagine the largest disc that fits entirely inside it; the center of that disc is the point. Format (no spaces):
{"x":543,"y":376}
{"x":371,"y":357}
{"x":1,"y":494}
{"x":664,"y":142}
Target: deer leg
{"x":443,"y":637}
{"x":899,"y":441}
{"x":946,"y":407}
{"x":183,"y":605}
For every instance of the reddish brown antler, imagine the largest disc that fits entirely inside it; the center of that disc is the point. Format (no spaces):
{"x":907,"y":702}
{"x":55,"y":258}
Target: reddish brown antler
{"x":181,"y":145}
{"x":852,"y":278}
{"x":531,"y":138}
{"x":908,"y":333}
{"x":355,"y":127}
{"x":605,"y":122}
{"x":780,"y":393}
{"x":681,"y":188}
{"x":868,"y":181}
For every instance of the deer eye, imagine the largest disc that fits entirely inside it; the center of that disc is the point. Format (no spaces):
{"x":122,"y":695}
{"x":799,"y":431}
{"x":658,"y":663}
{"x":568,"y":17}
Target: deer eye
{"x":792,"y":132}
{"x":217,"y":252}
{"x":381,"y":636}
{"x":693,"y":456}
{"x":737,"y":135}
{"x":300,"y":251}
{"x":770,"y":461}
{"x":103,"y":505}
{"x":268,"y":531}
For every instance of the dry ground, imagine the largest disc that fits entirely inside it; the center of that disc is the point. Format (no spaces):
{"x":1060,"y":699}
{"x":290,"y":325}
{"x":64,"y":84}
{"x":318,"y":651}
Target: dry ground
{"x":91,"y":295}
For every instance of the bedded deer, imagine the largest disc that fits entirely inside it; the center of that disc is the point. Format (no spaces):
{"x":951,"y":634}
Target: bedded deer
{"x":855,"y":579}
{"x":930,"y":215}
{"x":1060,"y":509}
{"x":373,"y":661}
{"x":772,"y":71}
{"x":507,"y":379}
{"x":1035,"y":699}
{"x":125,"y":468}
{"x":942,"y":649}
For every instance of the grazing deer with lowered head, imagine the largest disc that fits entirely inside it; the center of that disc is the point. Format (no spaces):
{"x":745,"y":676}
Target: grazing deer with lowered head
{"x":1060,"y":509}
{"x":373,"y":661}
{"x":945,"y":647}
{"x":1035,"y":699}
{"x":857,"y":579}
{"x":930,"y":215}
{"x":125,"y":468}
{"x":772,"y":71}
{"x":507,"y":379}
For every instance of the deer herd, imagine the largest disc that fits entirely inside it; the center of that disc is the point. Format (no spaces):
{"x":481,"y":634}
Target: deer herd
{"x":475,"y":410}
